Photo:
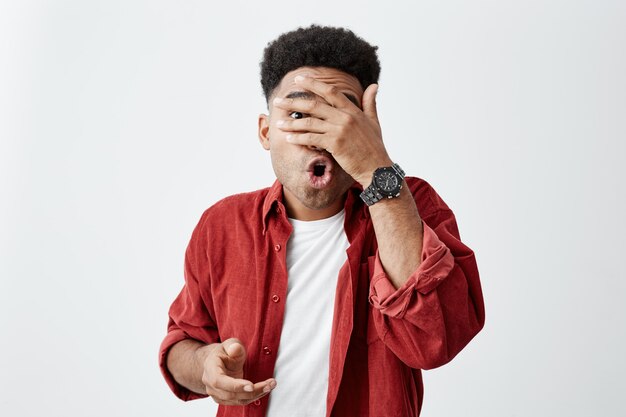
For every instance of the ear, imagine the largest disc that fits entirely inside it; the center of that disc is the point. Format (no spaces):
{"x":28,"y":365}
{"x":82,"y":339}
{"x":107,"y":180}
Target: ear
{"x":264,"y":129}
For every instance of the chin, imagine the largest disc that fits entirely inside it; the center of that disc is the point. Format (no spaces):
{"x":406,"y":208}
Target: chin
{"x":318,"y":199}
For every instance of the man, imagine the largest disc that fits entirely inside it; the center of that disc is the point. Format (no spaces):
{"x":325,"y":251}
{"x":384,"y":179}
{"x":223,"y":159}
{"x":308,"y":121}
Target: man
{"x":326,"y":293}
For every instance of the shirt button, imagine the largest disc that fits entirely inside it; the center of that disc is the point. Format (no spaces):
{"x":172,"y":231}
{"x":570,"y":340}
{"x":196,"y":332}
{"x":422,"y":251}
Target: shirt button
{"x":277,"y":247}
{"x":275,"y":298}
{"x":267,"y":350}
{"x":257,"y":402}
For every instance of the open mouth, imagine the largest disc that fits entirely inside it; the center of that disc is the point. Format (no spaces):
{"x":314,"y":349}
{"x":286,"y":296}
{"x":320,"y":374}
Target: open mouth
{"x":320,"y":171}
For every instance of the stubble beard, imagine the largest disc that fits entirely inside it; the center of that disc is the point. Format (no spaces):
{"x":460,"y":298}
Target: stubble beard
{"x":312,"y":198}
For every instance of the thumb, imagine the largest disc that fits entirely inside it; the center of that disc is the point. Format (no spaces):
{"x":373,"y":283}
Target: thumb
{"x":369,"y":101}
{"x":236,"y":353}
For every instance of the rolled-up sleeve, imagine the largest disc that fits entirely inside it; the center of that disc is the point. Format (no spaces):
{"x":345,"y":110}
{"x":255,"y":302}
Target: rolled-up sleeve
{"x":189,"y":315}
{"x":439,"y":309}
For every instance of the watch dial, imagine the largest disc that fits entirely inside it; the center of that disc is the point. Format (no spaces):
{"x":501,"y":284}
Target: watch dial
{"x":387,"y":181}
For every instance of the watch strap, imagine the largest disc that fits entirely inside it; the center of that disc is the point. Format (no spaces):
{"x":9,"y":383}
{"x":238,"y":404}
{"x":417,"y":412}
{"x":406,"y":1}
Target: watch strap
{"x":399,"y":170}
{"x":371,"y":195}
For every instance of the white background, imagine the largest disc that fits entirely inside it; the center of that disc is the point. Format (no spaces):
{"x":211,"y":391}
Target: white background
{"x":121,"y":121}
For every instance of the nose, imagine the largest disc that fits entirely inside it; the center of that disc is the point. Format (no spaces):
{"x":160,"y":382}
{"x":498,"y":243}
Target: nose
{"x":314,"y":148}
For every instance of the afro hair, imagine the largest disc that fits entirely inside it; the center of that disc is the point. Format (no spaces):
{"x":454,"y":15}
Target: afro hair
{"x":318,"y":46}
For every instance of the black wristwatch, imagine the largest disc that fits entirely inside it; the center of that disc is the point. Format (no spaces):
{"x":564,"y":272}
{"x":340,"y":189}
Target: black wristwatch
{"x":386,"y":182}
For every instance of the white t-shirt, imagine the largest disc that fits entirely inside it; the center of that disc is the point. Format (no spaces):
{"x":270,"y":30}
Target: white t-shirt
{"x":316,"y":251}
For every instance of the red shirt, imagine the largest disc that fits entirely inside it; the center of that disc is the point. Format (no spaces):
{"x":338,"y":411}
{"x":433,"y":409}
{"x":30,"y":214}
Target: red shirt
{"x":236,"y":285}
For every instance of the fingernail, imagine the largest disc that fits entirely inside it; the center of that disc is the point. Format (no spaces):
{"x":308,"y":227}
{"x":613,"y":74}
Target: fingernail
{"x":267,"y":388}
{"x":248,"y":388}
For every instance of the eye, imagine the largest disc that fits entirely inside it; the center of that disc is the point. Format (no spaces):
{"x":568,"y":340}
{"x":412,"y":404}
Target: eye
{"x":296,"y":115}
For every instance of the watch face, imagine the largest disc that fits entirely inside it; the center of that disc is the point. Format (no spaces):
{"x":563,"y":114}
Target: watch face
{"x":387,"y":183}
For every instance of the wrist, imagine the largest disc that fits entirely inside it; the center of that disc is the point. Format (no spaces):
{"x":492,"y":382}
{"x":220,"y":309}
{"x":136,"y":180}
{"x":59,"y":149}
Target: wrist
{"x":365,"y":178}
{"x":202,"y":352}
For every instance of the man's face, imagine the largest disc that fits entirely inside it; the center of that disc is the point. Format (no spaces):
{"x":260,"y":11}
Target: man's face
{"x":314,"y":184}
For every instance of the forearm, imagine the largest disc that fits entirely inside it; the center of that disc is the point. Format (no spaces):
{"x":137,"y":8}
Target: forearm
{"x":185,"y":361}
{"x":399,"y":233}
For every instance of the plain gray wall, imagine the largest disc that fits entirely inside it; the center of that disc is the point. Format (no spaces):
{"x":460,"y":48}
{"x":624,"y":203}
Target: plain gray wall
{"x":121,"y":121}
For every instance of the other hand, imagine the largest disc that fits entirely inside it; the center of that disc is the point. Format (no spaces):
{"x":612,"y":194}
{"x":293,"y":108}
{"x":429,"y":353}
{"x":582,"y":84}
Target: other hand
{"x":223,"y":375}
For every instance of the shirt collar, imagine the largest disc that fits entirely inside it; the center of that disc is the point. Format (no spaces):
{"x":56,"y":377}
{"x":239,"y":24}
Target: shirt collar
{"x":274,"y":198}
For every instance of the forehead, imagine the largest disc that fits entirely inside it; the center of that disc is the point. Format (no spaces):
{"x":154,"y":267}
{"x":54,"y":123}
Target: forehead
{"x":346,"y":83}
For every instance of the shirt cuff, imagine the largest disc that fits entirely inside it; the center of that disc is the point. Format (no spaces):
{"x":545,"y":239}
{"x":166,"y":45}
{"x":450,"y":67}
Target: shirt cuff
{"x":174,"y":336}
{"x":437,"y":262}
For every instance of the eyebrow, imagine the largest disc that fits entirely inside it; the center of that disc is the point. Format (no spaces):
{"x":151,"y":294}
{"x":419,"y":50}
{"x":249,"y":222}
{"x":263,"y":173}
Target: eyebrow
{"x":310,"y":96}
{"x":301,"y":94}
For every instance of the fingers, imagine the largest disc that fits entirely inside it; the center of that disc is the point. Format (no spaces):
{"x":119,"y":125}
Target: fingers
{"x":227,"y":383}
{"x":222,"y":399}
{"x":312,"y":107}
{"x":328,"y":92}
{"x":233,"y":347}
{"x":309,"y":139}
{"x":235,"y":355}
{"x":235,"y":350}
{"x":264,"y":388}
{"x":228,"y":397}
{"x":307,"y":124}
{"x":369,"y":101}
